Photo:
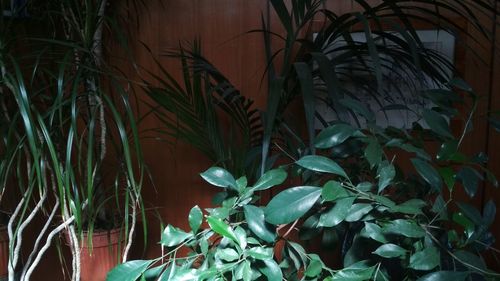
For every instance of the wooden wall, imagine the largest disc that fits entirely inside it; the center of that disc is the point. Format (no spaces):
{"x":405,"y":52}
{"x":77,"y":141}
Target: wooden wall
{"x":221,"y":27}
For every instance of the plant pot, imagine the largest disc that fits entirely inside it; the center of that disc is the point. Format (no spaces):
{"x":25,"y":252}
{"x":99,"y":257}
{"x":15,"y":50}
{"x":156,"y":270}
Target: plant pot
{"x":105,"y":254}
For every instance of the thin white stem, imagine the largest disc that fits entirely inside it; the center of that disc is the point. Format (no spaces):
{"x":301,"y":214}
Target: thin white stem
{"x":76,"y":253}
{"x":46,"y":246}
{"x":10,"y":233}
{"x":19,"y":236}
{"x":39,"y":238}
{"x":131,"y":233}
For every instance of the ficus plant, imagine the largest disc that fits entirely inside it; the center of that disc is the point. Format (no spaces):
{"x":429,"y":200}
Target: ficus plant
{"x":390,"y":220}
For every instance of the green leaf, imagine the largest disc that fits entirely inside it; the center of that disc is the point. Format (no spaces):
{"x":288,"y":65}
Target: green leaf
{"x":260,"y":253}
{"x":437,"y":123}
{"x":447,"y":150}
{"x":386,"y":174}
{"x":428,"y":173}
{"x":195,"y":218}
{"x":257,"y":223}
{"x":129,"y":271}
{"x":357,"y":211}
{"x":227,"y":254}
{"x":271,"y":270}
{"x":390,"y":251}
{"x":470,"y":260}
{"x":373,"y":152}
{"x":444,"y":276}
{"x":270,"y":179}
{"x":333,"y":190}
{"x":470,"y":180}
{"x":374,"y":232}
{"x":173,"y":236}
{"x":221,"y":228}
{"x":314,"y":268}
{"x":241,"y":235}
{"x":337,"y":214}
{"x":291,"y":204}
{"x":426,"y":259}
{"x":448,"y":175}
{"x":219,"y":177}
{"x":321,"y":164}
{"x":410,"y":207}
{"x":354,"y":274}
{"x":405,"y":227}
{"x":334,"y":135}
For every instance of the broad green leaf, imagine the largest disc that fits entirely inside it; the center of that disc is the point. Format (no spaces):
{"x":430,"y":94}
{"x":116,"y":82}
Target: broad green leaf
{"x":444,"y":276}
{"x":321,"y":164}
{"x":337,"y":214}
{"x":447,"y":150}
{"x":489,"y":212}
{"x":470,"y":260}
{"x":220,"y":227}
{"x":333,"y":190}
{"x":334,"y":135}
{"x":314,"y":268}
{"x":195,"y":218}
{"x":241,"y":235}
{"x":373,"y":152}
{"x":241,"y":183}
{"x":390,"y":251}
{"x":291,"y":204}
{"x":386,"y":174}
{"x":470,"y":179}
{"x":173,"y":236}
{"x":405,"y":227}
{"x":426,"y":259}
{"x":227,"y":254}
{"x":374,"y":232}
{"x":260,"y":253}
{"x":257,"y":223}
{"x":219,"y":177}
{"x":410,"y":207}
{"x":129,"y":271}
{"x":471,"y":212}
{"x":428,"y":173}
{"x":270,"y":179}
{"x":271,"y":270}
{"x":448,"y":175}
{"x":357,"y":211}
{"x":348,"y":274}
{"x":437,"y":123}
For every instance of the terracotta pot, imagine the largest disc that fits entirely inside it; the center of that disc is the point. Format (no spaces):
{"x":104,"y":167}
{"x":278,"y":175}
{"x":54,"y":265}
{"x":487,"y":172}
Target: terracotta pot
{"x":104,"y":255}
{"x":4,"y":252}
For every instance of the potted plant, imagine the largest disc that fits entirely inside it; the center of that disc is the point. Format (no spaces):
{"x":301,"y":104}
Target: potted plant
{"x":73,"y":147}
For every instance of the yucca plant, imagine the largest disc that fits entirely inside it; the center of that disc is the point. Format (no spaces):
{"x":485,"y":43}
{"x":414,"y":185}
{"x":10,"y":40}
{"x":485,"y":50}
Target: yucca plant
{"x":71,"y":142}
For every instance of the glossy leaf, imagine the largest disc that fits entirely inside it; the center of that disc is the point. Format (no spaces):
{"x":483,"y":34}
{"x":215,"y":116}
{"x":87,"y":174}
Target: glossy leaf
{"x":129,"y":271}
{"x":173,"y":236}
{"x":270,"y":178}
{"x":291,"y":204}
{"x":470,"y":179}
{"x":426,"y":259}
{"x":321,"y":164}
{"x":219,"y":177}
{"x":333,"y":190}
{"x":373,"y":152}
{"x":437,"y":123}
{"x":220,"y":227}
{"x":390,"y":251}
{"x":271,"y":270}
{"x":444,"y":276}
{"x":428,"y":173}
{"x":257,"y":223}
{"x":260,"y":253}
{"x":333,"y":135}
{"x":405,"y":227}
{"x":195,"y":218}
{"x":357,"y":211}
{"x":386,"y":174}
{"x":337,"y":214}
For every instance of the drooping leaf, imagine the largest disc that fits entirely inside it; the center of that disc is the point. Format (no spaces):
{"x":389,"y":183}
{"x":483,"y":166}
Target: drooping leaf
{"x":257,"y":223}
{"x":426,"y":259}
{"x":271,"y":270}
{"x":321,"y":164}
{"x":437,"y":123}
{"x":129,"y":271}
{"x":390,"y":251}
{"x":374,"y":232}
{"x":386,"y":174}
{"x":219,"y":177}
{"x":333,"y":190}
{"x":337,"y":214}
{"x":373,"y":152}
{"x":173,"y":236}
{"x":404,"y":227}
{"x":195,"y":218}
{"x":270,"y":178}
{"x":428,"y":173}
{"x":291,"y":204}
{"x":470,"y":179}
{"x":334,"y":135}
{"x":220,"y":227}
